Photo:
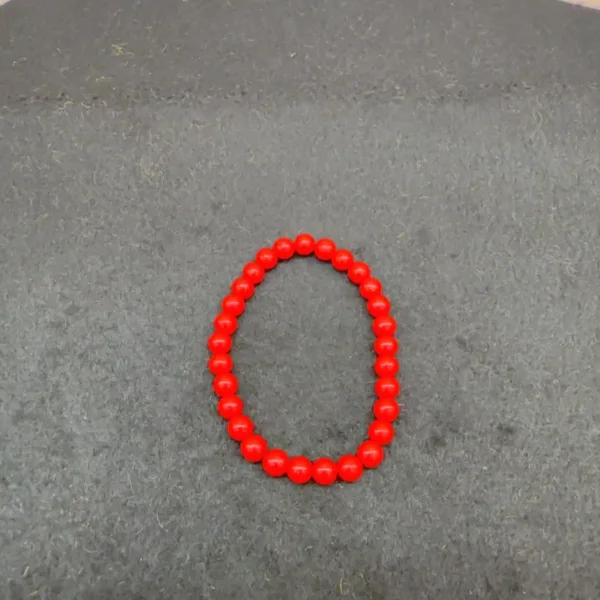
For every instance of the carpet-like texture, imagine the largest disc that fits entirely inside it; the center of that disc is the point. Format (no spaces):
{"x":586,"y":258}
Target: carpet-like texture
{"x":467,"y":175}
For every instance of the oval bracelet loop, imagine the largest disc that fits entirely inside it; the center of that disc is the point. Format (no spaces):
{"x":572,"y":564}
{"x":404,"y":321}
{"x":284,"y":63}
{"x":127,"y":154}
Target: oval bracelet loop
{"x":240,"y":427}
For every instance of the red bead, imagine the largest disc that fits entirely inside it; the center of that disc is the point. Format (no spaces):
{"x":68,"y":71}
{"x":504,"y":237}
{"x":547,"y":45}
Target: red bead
{"x":324,"y":471}
{"x":304,"y":244}
{"x":386,"y":366}
{"x":253,"y":448}
{"x":386,"y":409}
{"x":275,"y":463}
{"x":377,"y":306}
{"x":370,"y":287}
{"x":225,"y":323}
{"x":384,"y":325}
{"x":350,"y":468}
{"x":230,"y":406}
{"x":255,"y":272}
{"x":233,"y":305}
{"x":381,"y":432}
{"x":358,"y":272}
{"x":243,"y":287}
{"x":219,"y":343}
{"x":370,"y":454}
{"x":225,"y":385}
{"x":299,"y":470}
{"x":385,"y":346}
{"x":324,"y":249}
{"x":284,"y":248}
{"x":387,"y":387}
{"x":240,"y":427}
{"x":342,"y":260}
{"x":267,"y":258}
{"x":220,"y":363}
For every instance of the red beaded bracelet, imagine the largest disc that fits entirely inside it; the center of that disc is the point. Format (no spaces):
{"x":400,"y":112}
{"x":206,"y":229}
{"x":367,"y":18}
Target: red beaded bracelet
{"x":254,"y":447}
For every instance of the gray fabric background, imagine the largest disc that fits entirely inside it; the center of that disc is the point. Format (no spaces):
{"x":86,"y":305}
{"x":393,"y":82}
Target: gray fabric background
{"x":149,"y":149}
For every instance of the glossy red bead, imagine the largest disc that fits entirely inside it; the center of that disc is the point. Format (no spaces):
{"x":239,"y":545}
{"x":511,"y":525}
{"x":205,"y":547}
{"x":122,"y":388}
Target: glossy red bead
{"x":324,"y":471}
{"x":230,"y":406}
{"x":253,"y":448}
{"x":377,"y":306}
{"x":324,"y":249}
{"x":225,"y":323}
{"x":385,"y":346}
{"x":384,"y":325}
{"x":240,"y":427}
{"x":342,"y":260}
{"x":381,"y":432}
{"x":220,"y":363}
{"x":219,"y":343}
{"x":299,"y":470}
{"x":225,"y":384}
{"x":267,"y":258}
{"x":358,"y":272}
{"x":284,"y":248}
{"x":386,"y":409}
{"x":254,"y":271}
{"x":275,"y":463}
{"x":233,"y":304}
{"x":243,"y":287}
{"x":350,"y":468}
{"x":386,"y":366}
{"x":304,"y":244}
{"x":387,"y":387}
{"x":370,"y":454}
{"x":370,"y":288}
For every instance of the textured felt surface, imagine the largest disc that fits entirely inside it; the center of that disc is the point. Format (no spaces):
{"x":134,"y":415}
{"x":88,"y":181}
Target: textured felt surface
{"x":148,"y":150}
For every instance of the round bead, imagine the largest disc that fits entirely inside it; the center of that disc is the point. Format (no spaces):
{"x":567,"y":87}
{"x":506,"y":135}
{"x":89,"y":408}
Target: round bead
{"x":370,"y":287}
{"x":304,"y":244}
{"x":230,"y":406}
{"x":299,"y":470}
{"x":225,"y":384}
{"x":378,"y":306}
{"x":386,"y":366}
{"x":358,"y":272}
{"x":284,"y":248}
{"x":384,"y":325}
{"x":385,"y":346}
{"x":225,"y":323}
{"x":240,"y":427}
{"x":255,"y":272}
{"x":220,"y":363}
{"x":342,"y":259}
{"x":381,"y":432}
{"x":275,"y":463}
{"x":219,"y":343}
{"x":387,"y":387}
{"x":267,"y":258}
{"x":370,"y":454}
{"x":324,"y":471}
{"x":324,"y":249}
{"x":233,"y":305}
{"x":242,"y":287}
{"x":253,"y":448}
{"x":350,"y":468}
{"x":386,"y":409}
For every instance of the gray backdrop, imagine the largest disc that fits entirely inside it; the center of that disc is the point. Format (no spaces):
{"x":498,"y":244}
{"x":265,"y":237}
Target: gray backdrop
{"x":149,"y":149}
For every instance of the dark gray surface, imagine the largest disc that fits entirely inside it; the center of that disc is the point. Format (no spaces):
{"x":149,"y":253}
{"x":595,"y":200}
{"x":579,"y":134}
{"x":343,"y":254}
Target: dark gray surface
{"x":150,"y":149}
